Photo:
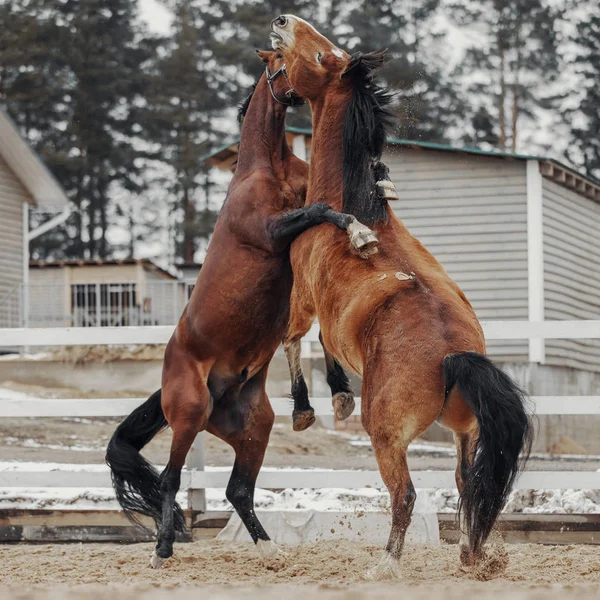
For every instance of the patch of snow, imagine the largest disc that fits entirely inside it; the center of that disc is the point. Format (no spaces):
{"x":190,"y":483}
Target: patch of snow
{"x":31,"y":443}
{"x":324,"y":500}
{"x":25,"y":356}
{"x":555,"y":501}
{"x":8,"y":394}
{"x":327,"y":499}
{"x":15,"y":465}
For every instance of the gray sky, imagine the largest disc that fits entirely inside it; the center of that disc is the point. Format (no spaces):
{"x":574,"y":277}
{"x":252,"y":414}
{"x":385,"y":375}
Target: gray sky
{"x":156,"y":15}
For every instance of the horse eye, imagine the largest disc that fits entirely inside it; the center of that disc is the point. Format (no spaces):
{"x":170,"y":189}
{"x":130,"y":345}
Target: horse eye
{"x":319,"y":56}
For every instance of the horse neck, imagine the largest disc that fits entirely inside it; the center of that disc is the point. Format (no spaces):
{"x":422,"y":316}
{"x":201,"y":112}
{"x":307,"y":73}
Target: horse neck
{"x":326,"y":177}
{"x":263,"y":142}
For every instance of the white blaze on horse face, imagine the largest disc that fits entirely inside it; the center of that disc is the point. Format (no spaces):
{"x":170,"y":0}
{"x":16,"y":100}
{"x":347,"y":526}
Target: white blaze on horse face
{"x":293,"y":20}
{"x":284,"y":34}
{"x":287,"y":34}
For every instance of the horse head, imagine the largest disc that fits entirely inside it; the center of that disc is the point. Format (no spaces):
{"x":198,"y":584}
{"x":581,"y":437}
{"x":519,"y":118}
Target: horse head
{"x":315,"y":65}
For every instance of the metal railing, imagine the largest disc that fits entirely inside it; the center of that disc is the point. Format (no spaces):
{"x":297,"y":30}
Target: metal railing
{"x":97,"y":304}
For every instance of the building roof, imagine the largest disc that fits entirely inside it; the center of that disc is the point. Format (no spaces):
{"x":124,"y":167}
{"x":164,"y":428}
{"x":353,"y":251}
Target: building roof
{"x":146,"y":263}
{"x":550,"y":168}
{"x":28,"y":167}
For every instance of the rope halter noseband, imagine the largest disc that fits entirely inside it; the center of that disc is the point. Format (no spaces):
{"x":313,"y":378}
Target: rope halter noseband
{"x":292,"y":98}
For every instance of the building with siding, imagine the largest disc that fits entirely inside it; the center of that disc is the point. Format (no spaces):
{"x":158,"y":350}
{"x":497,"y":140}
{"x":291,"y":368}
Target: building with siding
{"x":103,"y":293}
{"x":24,"y":183}
{"x":518,"y":233}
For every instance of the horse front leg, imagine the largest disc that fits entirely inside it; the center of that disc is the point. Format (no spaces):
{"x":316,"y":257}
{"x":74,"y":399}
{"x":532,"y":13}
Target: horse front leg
{"x":301,"y":318}
{"x":284,"y":228}
{"x":342,"y":396}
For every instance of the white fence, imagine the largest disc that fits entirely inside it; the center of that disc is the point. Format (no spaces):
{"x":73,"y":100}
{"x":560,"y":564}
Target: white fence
{"x":196,"y":478}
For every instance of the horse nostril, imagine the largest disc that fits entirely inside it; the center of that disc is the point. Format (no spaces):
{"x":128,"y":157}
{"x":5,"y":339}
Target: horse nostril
{"x":280,"y":21}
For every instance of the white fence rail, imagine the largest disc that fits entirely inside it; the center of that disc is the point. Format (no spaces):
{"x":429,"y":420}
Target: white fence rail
{"x":196,"y":478}
{"x":83,"y":336}
{"x":120,"y":407}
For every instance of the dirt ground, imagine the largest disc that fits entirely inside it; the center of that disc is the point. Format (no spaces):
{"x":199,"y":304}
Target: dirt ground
{"x":324,"y":570}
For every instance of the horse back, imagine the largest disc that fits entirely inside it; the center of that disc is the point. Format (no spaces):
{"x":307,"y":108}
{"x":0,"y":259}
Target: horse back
{"x":402,"y":287}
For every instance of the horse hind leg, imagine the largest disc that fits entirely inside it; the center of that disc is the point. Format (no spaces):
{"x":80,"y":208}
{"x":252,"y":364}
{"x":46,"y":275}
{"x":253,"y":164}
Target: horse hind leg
{"x":465,"y":445}
{"x":394,"y":472}
{"x":458,"y":418}
{"x":246,"y":427}
{"x":170,"y":479}
{"x":394,"y":416}
{"x":187,"y":409}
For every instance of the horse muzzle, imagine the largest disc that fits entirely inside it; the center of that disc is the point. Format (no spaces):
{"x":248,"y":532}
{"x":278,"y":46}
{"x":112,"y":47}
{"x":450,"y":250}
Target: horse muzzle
{"x":282,"y":34}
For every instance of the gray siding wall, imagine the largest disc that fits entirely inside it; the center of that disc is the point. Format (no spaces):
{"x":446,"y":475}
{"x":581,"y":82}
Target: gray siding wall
{"x":470,"y":212}
{"x":49,"y":298}
{"x":12,"y":197}
{"x":571,"y":273}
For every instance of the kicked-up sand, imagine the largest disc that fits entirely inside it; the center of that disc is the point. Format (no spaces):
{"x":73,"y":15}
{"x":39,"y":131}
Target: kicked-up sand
{"x":332,"y":569}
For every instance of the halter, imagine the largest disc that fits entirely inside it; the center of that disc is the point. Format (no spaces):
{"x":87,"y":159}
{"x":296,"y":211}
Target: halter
{"x":292,"y":97}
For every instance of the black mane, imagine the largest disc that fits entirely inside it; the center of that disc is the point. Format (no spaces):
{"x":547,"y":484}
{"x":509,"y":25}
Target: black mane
{"x":365,"y":132}
{"x":243,"y":106}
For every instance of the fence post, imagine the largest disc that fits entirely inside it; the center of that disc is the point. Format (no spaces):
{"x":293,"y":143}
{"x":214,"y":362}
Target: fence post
{"x":176,"y":313}
{"x":195,"y":462}
{"x":98,"y":307}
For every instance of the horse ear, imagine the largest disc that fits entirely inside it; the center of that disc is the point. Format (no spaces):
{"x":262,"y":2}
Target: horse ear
{"x":364,"y":64}
{"x":265,"y":55}
{"x":355,"y":61}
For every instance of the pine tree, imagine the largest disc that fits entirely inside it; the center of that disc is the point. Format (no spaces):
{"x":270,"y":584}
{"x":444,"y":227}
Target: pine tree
{"x":232,"y":31}
{"x":184,"y":97}
{"x":70,"y":83}
{"x":510,"y":63}
{"x":585,"y":130}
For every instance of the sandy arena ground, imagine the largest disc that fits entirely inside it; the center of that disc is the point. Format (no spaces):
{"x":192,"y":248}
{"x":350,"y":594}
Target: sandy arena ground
{"x":325,"y":570}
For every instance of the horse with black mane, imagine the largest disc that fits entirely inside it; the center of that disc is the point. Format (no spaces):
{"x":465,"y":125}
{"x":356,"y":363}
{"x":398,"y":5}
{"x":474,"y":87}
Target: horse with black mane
{"x":398,"y":320}
{"x":216,"y":362}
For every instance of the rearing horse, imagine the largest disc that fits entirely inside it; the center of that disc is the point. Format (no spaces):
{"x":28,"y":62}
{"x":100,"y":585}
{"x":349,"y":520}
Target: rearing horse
{"x":216,"y":362}
{"x":398,"y":319}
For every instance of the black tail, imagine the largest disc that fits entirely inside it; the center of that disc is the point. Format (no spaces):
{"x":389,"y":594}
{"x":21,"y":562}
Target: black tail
{"x":505,"y":433}
{"x":135,"y":480}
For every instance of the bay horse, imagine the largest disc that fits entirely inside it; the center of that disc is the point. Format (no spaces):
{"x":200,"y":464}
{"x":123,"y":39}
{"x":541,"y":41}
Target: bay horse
{"x":216,"y":362}
{"x":398,"y":320}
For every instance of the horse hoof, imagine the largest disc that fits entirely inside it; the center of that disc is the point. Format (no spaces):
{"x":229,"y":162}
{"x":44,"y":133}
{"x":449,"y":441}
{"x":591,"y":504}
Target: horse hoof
{"x":303,"y":419}
{"x":343,"y":405}
{"x":369,"y":250}
{"x":387,"y":569}
{"x":387,"y":189}
{"x":362,"y":238}
{"x":269,"y":549}
{"x":364,"y":241}
{"x":466,"y":557}
{"x":156,"y":562}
